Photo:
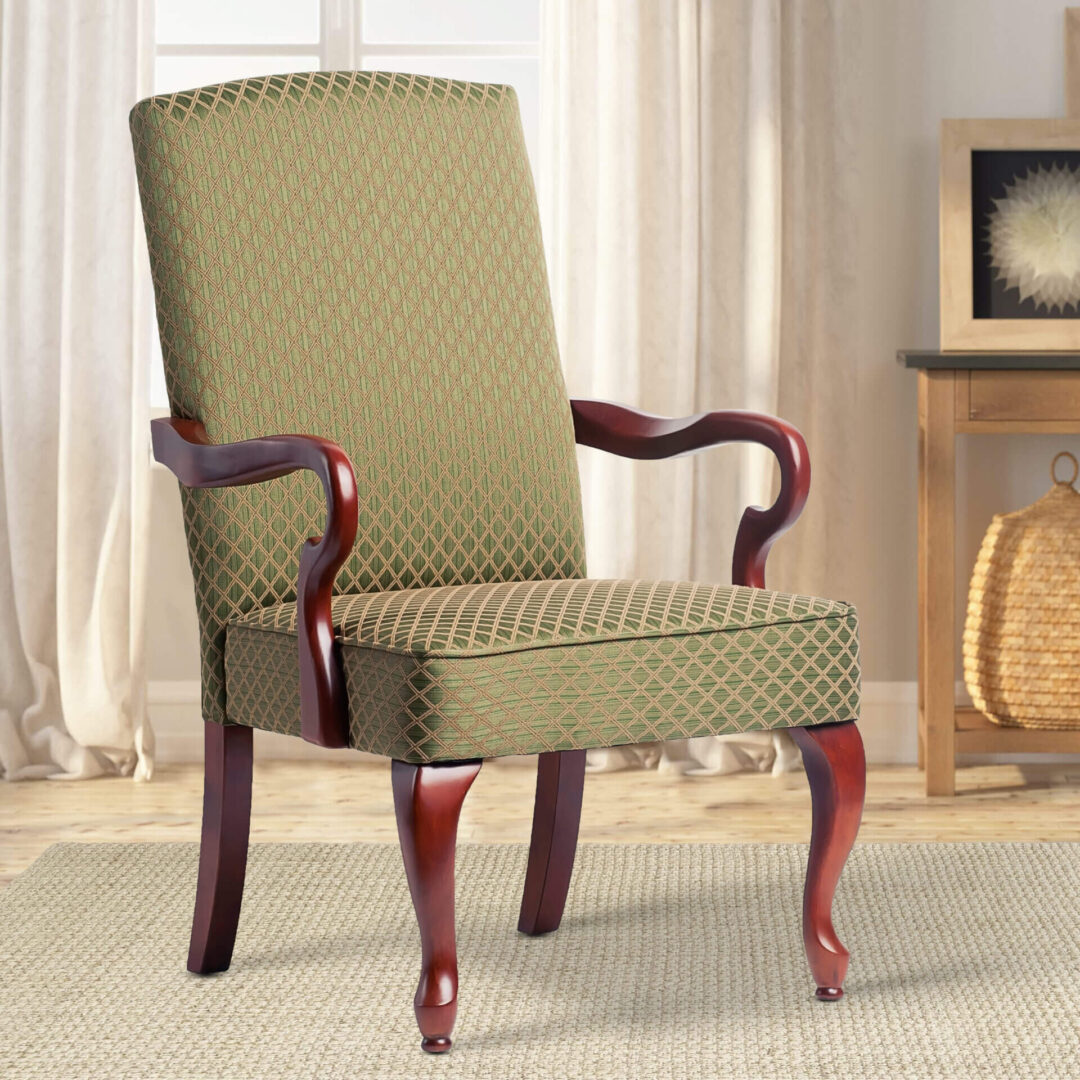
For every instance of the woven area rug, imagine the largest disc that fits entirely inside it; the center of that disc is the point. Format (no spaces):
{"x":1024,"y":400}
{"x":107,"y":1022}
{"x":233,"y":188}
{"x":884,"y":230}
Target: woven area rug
{"x":673,"y":961}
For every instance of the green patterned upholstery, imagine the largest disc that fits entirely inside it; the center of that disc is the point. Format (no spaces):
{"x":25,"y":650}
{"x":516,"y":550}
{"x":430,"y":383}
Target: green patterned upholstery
{"x":518,"y":668}
{"x":357,"y":255}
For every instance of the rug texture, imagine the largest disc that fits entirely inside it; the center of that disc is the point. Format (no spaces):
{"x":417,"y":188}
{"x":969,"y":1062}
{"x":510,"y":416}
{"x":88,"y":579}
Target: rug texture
{"x":673,"y":961}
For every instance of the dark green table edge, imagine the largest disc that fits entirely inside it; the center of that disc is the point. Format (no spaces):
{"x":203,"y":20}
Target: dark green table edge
{"x":932,"y":360}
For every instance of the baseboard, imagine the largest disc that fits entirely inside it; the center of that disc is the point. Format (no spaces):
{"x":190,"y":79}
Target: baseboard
{"x":890,"y":722}
{"x":889,"y":726}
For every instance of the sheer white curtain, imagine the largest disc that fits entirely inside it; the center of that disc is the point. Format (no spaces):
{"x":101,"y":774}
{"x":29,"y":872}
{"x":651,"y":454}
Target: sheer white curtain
{"x":697,"y":201}
{"x":73,"y":425}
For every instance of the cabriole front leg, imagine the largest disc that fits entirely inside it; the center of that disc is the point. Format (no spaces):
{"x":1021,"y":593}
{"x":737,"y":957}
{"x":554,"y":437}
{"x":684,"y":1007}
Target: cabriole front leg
{"x":836,"y":768}
{"x":427,"y":800}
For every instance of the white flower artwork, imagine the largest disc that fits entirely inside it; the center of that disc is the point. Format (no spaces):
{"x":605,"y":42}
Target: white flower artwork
{"x":1034,"y":236}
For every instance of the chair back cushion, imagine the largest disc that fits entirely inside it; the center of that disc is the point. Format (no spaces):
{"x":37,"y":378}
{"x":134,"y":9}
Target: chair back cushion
{"x":357,"y":255}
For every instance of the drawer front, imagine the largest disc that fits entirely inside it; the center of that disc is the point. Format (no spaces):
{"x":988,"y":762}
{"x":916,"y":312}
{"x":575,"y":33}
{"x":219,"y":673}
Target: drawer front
{"x":1022,"y":395}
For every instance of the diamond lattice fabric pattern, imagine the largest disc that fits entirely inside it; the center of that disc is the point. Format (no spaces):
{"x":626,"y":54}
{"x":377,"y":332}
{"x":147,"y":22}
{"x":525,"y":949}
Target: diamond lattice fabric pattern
{"x":357,"y":255}
{"x":518,"y":668}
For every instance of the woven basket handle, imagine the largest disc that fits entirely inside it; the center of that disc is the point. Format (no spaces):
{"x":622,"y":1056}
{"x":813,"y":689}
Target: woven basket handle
{"x":1075,"y":468}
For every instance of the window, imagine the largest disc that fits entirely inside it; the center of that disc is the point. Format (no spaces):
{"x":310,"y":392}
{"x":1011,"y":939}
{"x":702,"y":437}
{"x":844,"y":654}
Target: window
{"x":207,"y":41}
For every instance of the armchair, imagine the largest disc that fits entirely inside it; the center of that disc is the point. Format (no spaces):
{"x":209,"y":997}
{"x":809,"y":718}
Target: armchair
{"x":357,"y":254}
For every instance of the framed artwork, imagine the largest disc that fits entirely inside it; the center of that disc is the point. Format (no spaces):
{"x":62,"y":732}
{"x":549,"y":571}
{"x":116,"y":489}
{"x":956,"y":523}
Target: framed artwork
{"x":1010,"y":234}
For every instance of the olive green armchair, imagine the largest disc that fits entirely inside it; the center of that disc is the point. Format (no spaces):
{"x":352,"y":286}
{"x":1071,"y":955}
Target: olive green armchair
{"x":380,"y":492}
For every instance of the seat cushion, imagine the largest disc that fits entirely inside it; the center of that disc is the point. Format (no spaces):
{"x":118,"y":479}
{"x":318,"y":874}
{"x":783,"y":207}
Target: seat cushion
{"x":489,"y":670}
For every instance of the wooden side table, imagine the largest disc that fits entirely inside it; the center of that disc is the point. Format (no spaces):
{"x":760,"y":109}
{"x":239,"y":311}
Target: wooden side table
{"x":985,"y":393}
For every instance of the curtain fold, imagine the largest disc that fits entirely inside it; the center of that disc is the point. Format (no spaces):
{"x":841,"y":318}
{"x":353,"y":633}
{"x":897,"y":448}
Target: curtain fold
{"x":697,"y":194}
{"x":74,"y":453}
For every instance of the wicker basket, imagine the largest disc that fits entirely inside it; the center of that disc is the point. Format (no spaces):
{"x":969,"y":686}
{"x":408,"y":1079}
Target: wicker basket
{"x":1022,"y":637}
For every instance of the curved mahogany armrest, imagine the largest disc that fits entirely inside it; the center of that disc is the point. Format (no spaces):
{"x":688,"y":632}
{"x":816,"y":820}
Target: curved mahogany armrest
{"x":184,"y":447}
{"x":627,"y":432}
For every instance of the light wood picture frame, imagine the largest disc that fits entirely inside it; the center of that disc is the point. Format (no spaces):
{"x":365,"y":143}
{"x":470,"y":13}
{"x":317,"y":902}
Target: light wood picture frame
{"x":960,"y":329}
{"x":1072,"y":61}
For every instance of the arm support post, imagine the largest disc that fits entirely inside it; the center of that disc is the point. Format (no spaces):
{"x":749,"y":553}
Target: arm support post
{"x":627,"y":432}
{"x":185,"y":447}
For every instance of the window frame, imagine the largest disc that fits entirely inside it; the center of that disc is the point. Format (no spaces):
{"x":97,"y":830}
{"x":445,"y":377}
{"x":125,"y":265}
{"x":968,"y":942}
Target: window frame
{"x":341,"y":43}
{"x":341,"y":46}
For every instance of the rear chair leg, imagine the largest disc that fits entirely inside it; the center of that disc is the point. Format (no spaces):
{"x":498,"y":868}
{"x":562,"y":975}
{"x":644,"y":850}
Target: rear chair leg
{"x":427,"y":800}
{"x":223,"y":853}
{"x":836,"y":768}
{"x":560,"y":780}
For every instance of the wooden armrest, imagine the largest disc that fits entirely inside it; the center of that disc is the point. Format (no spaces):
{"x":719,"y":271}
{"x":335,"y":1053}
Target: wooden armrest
{"x":185,"y":448}
{"x":627,"y":432}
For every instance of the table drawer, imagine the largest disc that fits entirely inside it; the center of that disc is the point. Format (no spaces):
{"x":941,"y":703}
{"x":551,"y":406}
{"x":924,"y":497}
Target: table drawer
{"x":1019,"y":395}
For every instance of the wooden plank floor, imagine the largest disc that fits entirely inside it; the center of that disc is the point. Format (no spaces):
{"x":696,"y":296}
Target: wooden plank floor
{"x":350,"y":801}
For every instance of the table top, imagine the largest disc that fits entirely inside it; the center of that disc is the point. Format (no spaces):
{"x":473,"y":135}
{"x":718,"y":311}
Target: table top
{"x":935,"y":360}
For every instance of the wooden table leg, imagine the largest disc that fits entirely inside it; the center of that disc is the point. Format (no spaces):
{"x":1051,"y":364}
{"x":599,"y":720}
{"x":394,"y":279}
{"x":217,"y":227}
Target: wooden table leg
{"x":937,"y":571}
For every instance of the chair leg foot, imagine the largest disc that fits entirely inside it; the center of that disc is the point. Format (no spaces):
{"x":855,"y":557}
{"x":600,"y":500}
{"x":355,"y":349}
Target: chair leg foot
{"x":438,"y":1045}
{"x":223,"y":851}
{"x":427,"y":801}
{"x":560,"y":780}
{"x":836,"y":768}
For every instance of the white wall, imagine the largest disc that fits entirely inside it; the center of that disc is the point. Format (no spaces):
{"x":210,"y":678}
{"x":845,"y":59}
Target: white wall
{"x":922,"y":60}
{"x":925,"y":60}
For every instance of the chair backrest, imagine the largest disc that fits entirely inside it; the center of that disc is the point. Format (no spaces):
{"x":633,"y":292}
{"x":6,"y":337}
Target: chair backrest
{"x":357,"y":255}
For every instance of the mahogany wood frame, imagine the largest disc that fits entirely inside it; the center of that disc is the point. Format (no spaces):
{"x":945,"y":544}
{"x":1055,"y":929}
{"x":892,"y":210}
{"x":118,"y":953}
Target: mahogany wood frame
{"x":427,"y":800}
{"x":836,"y":769}
{"x":560,"y":785}
{"x":223,"y":851}
{"x":428,"y":797}
{"x":185,"y":447}
{"x":627,"y":432}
